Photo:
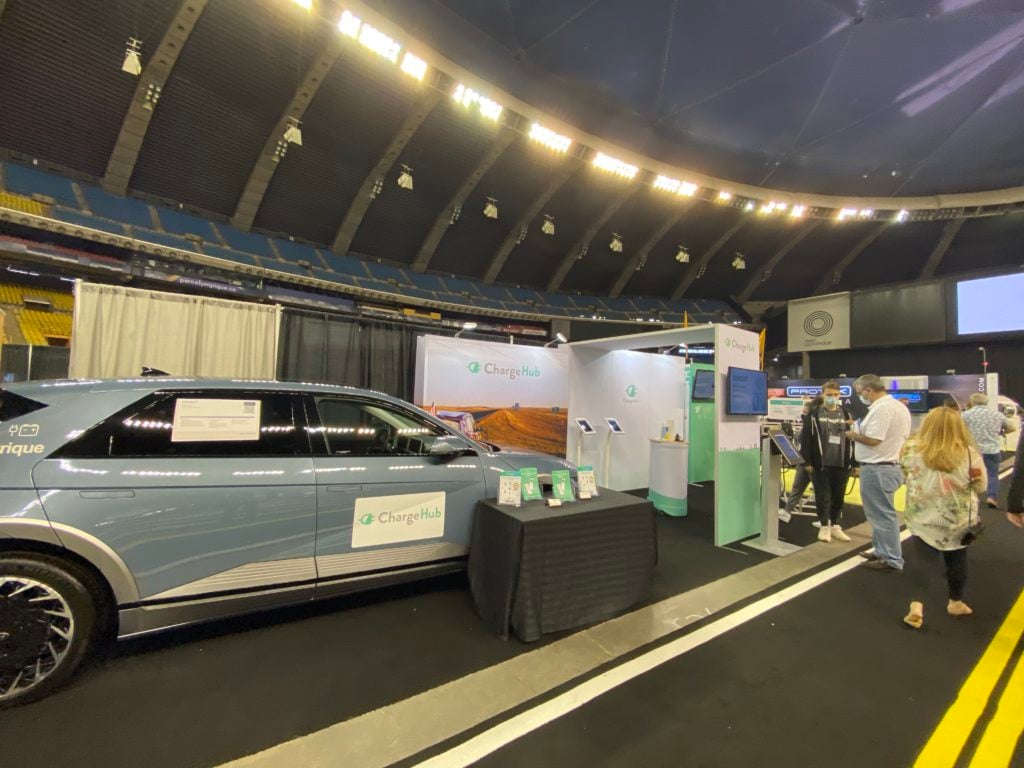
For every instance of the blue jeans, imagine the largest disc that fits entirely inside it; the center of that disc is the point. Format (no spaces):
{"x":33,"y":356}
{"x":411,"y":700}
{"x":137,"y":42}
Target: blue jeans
{"x":878,"y":485}
{"x":992,"y":461}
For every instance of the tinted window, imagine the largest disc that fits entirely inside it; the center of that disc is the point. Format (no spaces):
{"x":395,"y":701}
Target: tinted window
{"x":144,"y":430}
{"x":364,"y":428}
{"x":13,"y":406}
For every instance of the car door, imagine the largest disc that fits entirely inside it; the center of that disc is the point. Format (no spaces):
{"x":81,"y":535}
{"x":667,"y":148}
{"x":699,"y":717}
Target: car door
{"x":194,"y":506}
{"x":384,"y":501}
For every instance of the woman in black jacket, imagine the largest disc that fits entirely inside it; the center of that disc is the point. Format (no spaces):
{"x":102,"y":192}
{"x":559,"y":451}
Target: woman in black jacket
{"x":828,"y":453}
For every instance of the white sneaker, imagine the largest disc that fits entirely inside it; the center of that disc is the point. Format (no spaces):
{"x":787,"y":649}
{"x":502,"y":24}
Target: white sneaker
{"x":785,"y":516}
{"x":839,"y":533}
{"x":825,"y":534}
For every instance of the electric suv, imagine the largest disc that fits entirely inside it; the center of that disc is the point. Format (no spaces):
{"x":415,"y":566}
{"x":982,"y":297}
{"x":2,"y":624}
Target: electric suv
{"x":136,"y":505}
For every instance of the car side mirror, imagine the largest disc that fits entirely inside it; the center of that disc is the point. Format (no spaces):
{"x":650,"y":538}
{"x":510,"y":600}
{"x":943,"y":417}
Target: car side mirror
{"x":447,"y":447}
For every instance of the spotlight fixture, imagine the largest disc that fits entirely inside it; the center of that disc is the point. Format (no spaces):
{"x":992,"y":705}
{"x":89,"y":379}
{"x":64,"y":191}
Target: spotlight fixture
{"x":152,"y":96}
{"x":846,"y":213}
{"x":293,"y":133}
{"x":739,"y":262}
{"x":522,"y":236}
{"x":683,"y":255}
{"x":414,"y":66}
{"x":467,"y":326}
{"x":378,"y":187}
{"x":724,"y":196}
{"x":560,"y":338}
{"x":548,"y":227}
{"x":491,"y":209}
{"x":798,"y":211}
{"x":615,"y":166}
{"x":616,"y":243}
{"x":280,"y":150}
{"x":456,"y":212}
{"x":405,"y":178}
{"x":549,"y":138}
{"x":749,"y":206}
{"x":902,"y":216}
{"x":304,"y":4}
{"x":132,"y":63}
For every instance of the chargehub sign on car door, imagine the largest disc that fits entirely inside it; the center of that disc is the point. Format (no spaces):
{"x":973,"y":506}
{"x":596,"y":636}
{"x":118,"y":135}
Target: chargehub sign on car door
{"x":392,"y":519}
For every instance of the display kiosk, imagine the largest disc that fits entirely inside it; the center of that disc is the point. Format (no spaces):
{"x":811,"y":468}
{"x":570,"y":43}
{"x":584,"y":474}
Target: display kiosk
{"x":668,"y":484}
{"x":776,"y":448}
{"x":614,"y":428}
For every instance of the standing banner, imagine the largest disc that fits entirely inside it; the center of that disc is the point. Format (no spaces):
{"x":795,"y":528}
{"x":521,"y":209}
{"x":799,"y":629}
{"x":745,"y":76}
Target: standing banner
{"x":509,"y":394}
{"x":819,"y":323}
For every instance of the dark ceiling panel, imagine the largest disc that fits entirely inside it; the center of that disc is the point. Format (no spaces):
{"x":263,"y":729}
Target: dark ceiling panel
{"x":897,"y":255}
{"x":575,"y":208}
{"x":238,"y":70}
{"x":704,"y":224}
{"x":63,"y":95}
{"x":315,"y":183}
{"x":812,"y":258}
{"x":986,"y":243}
{"x":442,"y":153}
{"x":758,"y":242}
{"x":634,"y":222}
{"x":514,"y":181}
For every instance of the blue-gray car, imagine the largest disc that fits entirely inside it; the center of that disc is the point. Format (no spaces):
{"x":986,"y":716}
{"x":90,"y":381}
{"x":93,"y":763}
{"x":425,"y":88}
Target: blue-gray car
{"x":135,"y":505}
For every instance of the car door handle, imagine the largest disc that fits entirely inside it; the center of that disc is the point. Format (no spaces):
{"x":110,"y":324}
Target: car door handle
{"x":344,"y":488}
{"x":107,"y":494}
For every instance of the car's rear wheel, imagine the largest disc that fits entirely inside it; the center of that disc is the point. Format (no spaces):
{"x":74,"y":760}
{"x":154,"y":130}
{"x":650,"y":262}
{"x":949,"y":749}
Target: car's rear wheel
{"x":48,"y":620}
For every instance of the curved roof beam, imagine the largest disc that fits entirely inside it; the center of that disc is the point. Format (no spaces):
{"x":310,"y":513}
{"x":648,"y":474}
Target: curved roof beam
{"x":765,"y":272}
{"x":3,"y":4}
{"x":444,"y":219}
{"x":157,"y":71}
{"x":576,"y":251}
{"x":555,"y":183}
{"x":697,"y":270}
{"x":361,"y":202}
{"x":949,"y":233}
{"x":833,"y":277}
{"x":266,"y":164}
{"x":640,"y":256}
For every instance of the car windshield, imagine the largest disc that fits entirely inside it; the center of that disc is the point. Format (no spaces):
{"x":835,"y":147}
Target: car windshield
{"x":13,"y":406}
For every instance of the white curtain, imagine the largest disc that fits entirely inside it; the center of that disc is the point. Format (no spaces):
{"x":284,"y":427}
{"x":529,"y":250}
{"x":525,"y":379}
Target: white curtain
{"x":119,"y":330}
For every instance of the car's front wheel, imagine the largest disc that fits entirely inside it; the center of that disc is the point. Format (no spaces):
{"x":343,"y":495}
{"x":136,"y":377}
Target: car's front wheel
{"x":48,"y":619}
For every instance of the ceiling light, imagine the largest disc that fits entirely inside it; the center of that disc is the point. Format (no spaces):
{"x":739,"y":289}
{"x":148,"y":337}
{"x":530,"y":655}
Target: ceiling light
{"x":866,"y":213}
{"x":846,"y":213}
{"x":470,"y":325}
{"x":467,"y":97}
{"x":739,"y":262}
{"x":559,"y":338}
{"x":378,"y":187}
{"x":724,"y":196}
{"x":293,"y":133}
{"x":902,"y":216}
{"x":349,"y":24}
{"x":414,"y":66}
{"x":749,"y":206}
{"x":610,"y":164}
{"x":548,"y":227}
{"x":304,"y":4}
{"x":616,"y":243}
{"x":491,"y":209}
{"x":549,"y":138}
{"x":405,"y":178}
{"x":667,"y":184}
{"x":132,"y":63}
{"x":152,"y":96}
{"x":688,"y":189}
{"x":683,"y":255}
{"x":767,"y":208}
{"x":456,"y":212}
{"x":798,"y":211}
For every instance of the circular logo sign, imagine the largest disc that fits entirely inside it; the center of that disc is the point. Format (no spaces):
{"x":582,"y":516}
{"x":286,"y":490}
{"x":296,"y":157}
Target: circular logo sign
{"x":818,"y":323}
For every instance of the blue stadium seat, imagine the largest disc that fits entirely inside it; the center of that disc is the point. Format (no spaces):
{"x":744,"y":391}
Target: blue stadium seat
{"x":178,"y":223}
{"x":250,"y":242}
{"x":557,"y":300}
{"x":427,"y":282}
{"x":296,"y":252}
{"x":29,"y":181}
{"x":525,"y":295}
{"x":419,"y":293}
{"x":481,"y":302}
{"x":458,"y":285}
{"x":80,"y":219}
{"x":496,"y":292}
{"x":620,"y":304}
{"x":162,"y":238}
{"x":124,"y":209}
{"x":230,"y":255}
{"x":334,"y":277}
{"x":386,"y":273}
{"x":346,"y":265}
{"x":287,"y":266}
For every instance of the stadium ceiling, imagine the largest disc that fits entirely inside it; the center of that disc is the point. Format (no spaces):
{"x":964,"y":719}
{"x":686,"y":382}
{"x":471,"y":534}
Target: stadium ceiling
{"x":834,"y":144}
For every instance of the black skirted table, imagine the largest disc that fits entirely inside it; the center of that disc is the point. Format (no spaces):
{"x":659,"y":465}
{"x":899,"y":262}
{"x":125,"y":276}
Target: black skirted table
{"x":536,"y":569}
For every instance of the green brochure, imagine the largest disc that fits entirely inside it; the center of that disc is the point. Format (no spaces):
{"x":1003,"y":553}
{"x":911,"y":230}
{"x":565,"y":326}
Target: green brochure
{"x":531,"y":485}
{"x":563,"y":484}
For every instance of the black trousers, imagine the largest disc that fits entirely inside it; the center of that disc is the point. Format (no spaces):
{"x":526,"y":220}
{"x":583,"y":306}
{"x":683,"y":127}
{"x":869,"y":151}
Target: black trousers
{"x":830,"y":493}
{"x":922,"y":561}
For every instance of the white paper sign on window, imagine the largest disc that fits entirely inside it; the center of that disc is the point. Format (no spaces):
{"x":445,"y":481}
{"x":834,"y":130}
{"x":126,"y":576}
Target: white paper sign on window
{"x":215,"y":420}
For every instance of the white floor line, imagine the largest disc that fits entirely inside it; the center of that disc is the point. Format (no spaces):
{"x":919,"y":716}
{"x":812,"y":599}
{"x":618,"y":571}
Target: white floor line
{"x":520,"y":725}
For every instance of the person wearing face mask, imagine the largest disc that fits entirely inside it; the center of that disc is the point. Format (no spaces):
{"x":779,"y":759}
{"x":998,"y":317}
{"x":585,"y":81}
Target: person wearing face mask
{"x":879,"y":438}
{"x":828,"y":451}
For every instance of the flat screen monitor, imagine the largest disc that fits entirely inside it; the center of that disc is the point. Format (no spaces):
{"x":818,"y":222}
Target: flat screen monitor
{"x":703,"y":385}
{"x":916,"y":400}
{"x":748,"y":392}
{"x":614,"y":426}
{"x":786,"y":448}
{"x":585,"y":426}
{"x":990,"y":305}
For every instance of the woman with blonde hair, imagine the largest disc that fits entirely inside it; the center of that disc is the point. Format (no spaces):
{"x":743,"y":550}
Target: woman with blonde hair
{"x":944,"y":474}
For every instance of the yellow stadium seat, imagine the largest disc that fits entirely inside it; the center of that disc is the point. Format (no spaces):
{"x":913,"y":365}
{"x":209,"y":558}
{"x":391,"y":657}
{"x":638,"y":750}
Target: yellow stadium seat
{"x":40,"y":327}
{"x":23,"y":204}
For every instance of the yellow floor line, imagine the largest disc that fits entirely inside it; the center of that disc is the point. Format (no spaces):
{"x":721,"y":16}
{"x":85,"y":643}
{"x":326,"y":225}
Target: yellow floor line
{"x":1000,"y":739}
{"x":944,"y":747}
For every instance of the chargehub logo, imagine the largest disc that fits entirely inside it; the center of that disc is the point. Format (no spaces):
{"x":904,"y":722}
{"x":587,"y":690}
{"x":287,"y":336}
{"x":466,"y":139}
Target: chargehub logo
{"x":742,"y":346}
{"x":631,"y":394}
{"x":406,"y":517}
{"x":495,"y":369}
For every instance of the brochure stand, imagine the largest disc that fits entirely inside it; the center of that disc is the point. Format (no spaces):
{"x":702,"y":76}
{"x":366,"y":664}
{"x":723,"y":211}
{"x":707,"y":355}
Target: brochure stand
{"x":771,"y":469}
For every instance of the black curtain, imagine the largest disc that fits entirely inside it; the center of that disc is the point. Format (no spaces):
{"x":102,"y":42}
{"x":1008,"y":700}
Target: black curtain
{"x":44,"y":363}
{"x":332,"y":349}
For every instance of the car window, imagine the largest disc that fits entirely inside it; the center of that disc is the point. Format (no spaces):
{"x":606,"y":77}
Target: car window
{"x":363,"y":428}
{"x":13,"y":406}
{"x":145,"y":429}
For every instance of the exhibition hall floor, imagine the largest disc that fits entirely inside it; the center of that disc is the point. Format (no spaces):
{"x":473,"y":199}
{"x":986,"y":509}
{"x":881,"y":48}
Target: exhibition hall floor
{"x":739,"y":659}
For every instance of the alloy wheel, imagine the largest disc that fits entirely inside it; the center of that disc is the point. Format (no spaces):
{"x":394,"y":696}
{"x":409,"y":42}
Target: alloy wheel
{"x":37,"y":629}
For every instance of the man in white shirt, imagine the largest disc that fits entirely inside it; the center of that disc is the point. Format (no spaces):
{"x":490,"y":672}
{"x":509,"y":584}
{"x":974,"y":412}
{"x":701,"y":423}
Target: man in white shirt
{"x":878,"y":439}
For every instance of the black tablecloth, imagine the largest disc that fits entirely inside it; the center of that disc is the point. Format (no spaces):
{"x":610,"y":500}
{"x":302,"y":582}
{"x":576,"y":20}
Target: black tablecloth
{"x":538,"y":569}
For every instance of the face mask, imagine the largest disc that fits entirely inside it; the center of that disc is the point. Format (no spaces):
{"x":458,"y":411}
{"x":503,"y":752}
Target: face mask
{"x":831,"y":402}
{"x":864,"y":400}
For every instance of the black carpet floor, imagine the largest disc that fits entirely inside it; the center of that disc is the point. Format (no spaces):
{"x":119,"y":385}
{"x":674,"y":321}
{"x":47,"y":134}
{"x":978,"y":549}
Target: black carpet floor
{"x":204,"y":695}
{"x":833,"y":678}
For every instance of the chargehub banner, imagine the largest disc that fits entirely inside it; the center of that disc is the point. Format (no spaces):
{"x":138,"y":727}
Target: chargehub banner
{"x":822,"y":322}
{"x":513,"y":395}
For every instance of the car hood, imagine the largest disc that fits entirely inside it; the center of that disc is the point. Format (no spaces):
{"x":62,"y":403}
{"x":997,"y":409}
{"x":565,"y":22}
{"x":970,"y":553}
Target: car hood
{"x":544,"y":463}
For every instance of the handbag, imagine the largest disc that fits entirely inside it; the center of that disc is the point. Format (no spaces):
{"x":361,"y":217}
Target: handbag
{"x":975,"y":525}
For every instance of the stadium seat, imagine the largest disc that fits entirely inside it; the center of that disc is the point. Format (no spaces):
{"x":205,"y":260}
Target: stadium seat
{"x":179,"y":223}
{"x":122,"y":209}
{"x":29,"y":181}
{"x":427,"y":282}
{"x":387,"y":274}
{"x":460,"y":286}
{"x":296,"y":252}
{"x":250,"y":242}
{"x":80,"y":219}
{"x":24,"y":204}
{"x":231,"y":255}
{"x":346,"y":265}
{"x":286,"y":266}
{"x":162,"y":238}
{"x":38,"y":326}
